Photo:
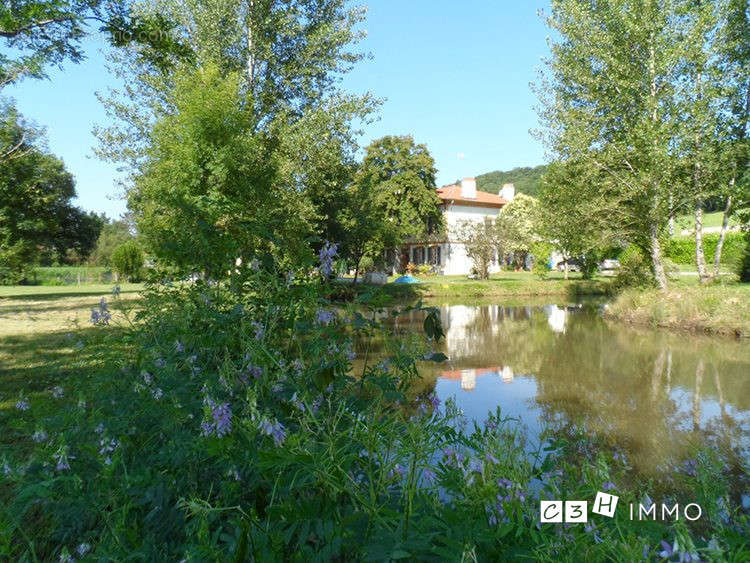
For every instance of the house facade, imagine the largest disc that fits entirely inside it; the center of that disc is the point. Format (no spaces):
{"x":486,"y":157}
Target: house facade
{"x":460,"y":203}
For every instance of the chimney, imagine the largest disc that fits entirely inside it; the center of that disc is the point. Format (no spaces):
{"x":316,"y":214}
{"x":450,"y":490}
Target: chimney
{"x":508,"y":192}
{"x":469,"y":188}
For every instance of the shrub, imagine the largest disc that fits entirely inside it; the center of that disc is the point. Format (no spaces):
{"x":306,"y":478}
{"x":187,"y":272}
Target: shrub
{"x":127,"y":261}
{"x":681,"y":250}
{"x":743,"y":264}
{"x":635,"y":270}
{"x":541,"y":252}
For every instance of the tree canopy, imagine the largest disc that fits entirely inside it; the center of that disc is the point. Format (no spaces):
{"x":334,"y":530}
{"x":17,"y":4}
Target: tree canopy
{"x":527,"y":180}
{"x":36,"y":213}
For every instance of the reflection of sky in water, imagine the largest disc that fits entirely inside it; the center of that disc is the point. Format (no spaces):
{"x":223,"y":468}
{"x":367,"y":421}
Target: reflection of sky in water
{"x":516,"y":399}
{"x":550,"y":364}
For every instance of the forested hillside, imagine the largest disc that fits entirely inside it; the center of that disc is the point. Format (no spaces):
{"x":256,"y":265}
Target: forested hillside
{"x":526,"y":179}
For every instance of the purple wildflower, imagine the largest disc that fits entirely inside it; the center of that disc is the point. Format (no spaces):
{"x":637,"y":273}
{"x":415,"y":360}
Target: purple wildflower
{"x":147,"y":377}
{"x":326,"y":255}
{"x":428,"y":475}
{"x":83,"y":548}
{"x":260,"y":330}
{"x":101,"y":315}
{"x":491,"y":458}
{"x":433,"y":398}
{"x":157,"y":393}
{"x":62,"y":458}
{"x":491,"y":516}
{"x":608,"y":486}
{"x":57,"y":392}
{"x":39,"y":436}
{"x":160,"y":363}
{"x":505,"y":483}
{"x":476,"y":466}
{"x":179,"y":347}
{"x":690,"y":467}
{"x":324,"y":317}
{"x":22,"y":404}
{"x":399,"y":470}
{"x":316,"y":404}
{"x":222,"y":416}
{"x":667,"y":550}
{"x":274,"y":429}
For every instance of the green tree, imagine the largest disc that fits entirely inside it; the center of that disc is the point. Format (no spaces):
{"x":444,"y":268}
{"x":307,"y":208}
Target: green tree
{"x":113,"y":234}
{"x":36,"y":214}
{"x":480,"y":239}
{"x":207,"y":193}
{"x":575,"y":227}
{"x":401,"y":176}
{"x":527,"y":180}
{"x":285,"y":58}
{"x":607,"y":104}
{"x":43,"y":33}
{"x":127,"y":261}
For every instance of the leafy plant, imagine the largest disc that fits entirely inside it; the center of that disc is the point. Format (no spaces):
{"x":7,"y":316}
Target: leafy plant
{"x":127,"y":261}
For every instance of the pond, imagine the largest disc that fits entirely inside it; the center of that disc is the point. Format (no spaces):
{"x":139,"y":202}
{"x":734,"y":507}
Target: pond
{"x":653,"y":394}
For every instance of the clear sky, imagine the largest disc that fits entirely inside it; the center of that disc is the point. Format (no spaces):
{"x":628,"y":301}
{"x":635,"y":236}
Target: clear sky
{"x":455,"y":76}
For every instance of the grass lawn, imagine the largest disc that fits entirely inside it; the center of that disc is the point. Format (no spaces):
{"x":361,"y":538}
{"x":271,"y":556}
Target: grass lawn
{"x":709,"y":220}
{"x":54,"y":291}
{"x":46,"y":338}
{"x":721,"y":308}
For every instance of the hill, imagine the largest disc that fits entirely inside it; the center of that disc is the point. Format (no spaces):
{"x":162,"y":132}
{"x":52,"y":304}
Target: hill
{"x":526,"y":179}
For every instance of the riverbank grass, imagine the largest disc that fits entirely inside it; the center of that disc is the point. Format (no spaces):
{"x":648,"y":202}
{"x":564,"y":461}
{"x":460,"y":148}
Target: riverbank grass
{"x":716,"y":309}
{"x":501,"y":285}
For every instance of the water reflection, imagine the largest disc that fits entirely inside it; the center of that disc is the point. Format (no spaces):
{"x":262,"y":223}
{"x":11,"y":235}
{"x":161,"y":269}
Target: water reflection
{"x":651,"y":393}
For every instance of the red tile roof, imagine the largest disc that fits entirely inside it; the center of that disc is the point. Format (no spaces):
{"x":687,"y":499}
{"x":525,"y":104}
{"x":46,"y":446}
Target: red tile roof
{"x":483,"y":199}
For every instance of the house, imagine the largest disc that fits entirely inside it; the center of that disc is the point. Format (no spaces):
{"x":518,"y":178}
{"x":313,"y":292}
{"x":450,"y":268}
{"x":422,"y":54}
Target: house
{"x":459,"y":203}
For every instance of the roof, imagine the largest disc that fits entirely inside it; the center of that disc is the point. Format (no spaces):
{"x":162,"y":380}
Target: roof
{"x":452,"y":193}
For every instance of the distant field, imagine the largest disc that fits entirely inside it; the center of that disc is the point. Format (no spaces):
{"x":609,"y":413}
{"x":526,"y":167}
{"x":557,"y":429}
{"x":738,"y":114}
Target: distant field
{"x":51,"y":291}
{"x":71,"y":275}
{"x":709,"y":220}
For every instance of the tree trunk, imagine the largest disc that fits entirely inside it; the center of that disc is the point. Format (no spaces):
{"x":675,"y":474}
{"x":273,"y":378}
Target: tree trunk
{"x":723,"y":233}
{"x":250,"y":56}
{"x":356,"y":270}
{"x":657,"y":264}
{"x":700,"y":256}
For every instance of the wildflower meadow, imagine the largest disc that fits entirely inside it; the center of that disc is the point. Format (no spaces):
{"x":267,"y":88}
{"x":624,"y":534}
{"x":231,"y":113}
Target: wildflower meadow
{"x":252,"y":420}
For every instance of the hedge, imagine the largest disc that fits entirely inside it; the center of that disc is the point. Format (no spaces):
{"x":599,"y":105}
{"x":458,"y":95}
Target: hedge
{"x":682,"y":250}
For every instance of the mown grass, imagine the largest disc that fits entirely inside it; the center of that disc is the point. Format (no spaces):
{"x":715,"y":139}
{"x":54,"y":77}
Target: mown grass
{"x":722,"y":308}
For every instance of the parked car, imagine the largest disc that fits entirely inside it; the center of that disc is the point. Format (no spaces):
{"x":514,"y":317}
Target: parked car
{"x":574,"y":265}
{"x":609,"y":264}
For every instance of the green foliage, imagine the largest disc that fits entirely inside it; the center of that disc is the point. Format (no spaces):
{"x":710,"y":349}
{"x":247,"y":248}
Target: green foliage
{"x":232,"y":424}
{"x":43,"y":33}
{"x":517,"y":224}
{"x":37,"y":218}
{"x":681,"y":250}
{"x":113,"y":234}
{"x":127,"y":261}
{"x":743,"y":264}
{"x":400,"y":175}
{"x":481,"y":243}
{"x":208,"y":192}
{"x":634,"y":270}
{"x":527,"y":180}
{"x":542,"y":251}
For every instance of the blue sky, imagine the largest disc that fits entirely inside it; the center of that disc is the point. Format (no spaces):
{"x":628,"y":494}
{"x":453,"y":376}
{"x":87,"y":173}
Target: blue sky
{"x":455,"y":76}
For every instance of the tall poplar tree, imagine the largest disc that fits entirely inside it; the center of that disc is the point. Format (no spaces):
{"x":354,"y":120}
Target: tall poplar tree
{"x":607,"y":104}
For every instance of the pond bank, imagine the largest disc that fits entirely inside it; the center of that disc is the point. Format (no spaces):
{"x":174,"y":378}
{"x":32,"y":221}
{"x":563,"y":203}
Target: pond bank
{"x":503,"y":285}
{"x":719,"y":309}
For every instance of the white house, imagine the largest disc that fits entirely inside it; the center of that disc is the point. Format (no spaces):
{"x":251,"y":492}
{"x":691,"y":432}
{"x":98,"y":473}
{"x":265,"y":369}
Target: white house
{"x":459,"y":203}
